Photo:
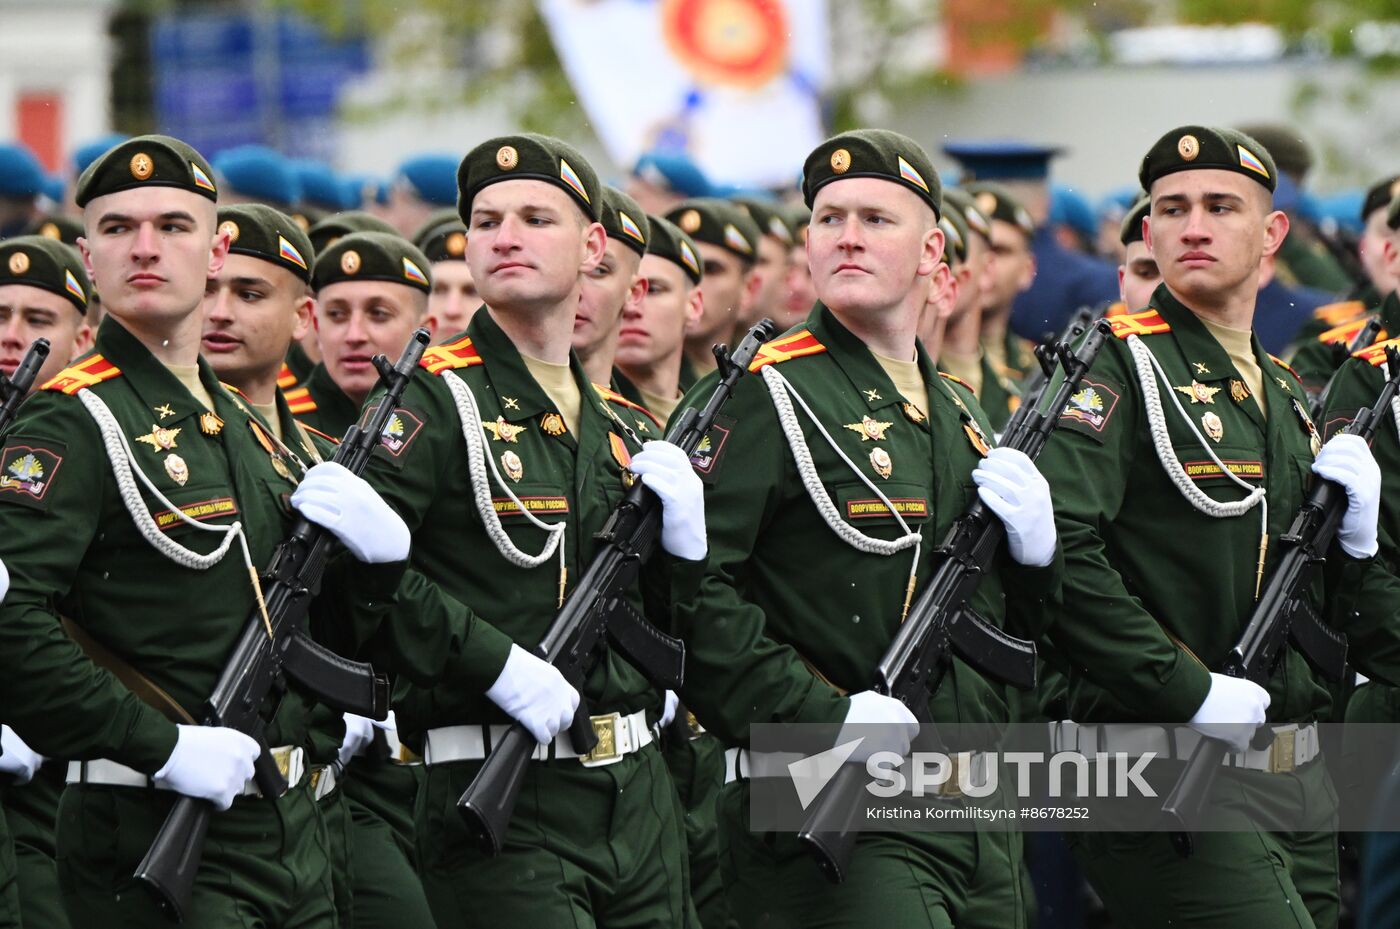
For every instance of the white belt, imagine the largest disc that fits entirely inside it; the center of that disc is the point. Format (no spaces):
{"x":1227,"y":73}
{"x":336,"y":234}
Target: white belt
{"x":740,"y":764}
{"x":1361,"y":679}
{"x":323,"y":780}
{"x":399,"y":753}
{"x":618,"y":735}
{"x":1292,"y":747}
{"x":290,"y":761}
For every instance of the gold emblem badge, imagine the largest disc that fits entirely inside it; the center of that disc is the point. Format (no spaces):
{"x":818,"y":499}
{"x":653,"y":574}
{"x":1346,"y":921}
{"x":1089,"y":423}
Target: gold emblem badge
{"x":1199,"y":393}
{"x":1282,"y":384}
{"x":304,"y":224}
{"x":511,"y":403}
{"x":456,"y":244}
{"x":503,"y":431}
{"x":50,"y":231}
{"x":164,"y":410}
{"x":1214,"y":427}
{"x":350,"y":262}
{"x":1188,"y":147}
{"x":1238,"y":392}
{"x":978,"y":438}
{"x":690,"y":221}
{"x":840,"y":161}
{"x":507,"y":157}
{"x":231,"y":228}
{"x":880,"y":461}
{"x":872,"y":395}
{"x":177,"y":469}
{"x":1200,"y":367}
{"x":912,"y":411}
{"x":160,"y":438}
{"x":514,"y":467}
{"x":210,"y":423}
{"x":142,"y":166}
{"x":19,"y":263}
{"x":553,"y":424}
{"x":869,"y":429}
{"x":281,"y":468}
{"x":987,"y":202}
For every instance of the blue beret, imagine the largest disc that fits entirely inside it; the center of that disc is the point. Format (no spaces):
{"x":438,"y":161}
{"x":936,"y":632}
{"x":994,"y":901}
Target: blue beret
{"x":674,"y":170}
{"x":320,"y":187}
{"x":259,"y":173}
{"x":1002,"y":160}
{"x":1070,"y":208}
{"x":54,"y":188}
{"x":432,"y":177}
{"x":1344,"y":208}
{"x":368,"y":187}
{"x":20,"y":172}
{"x":89,"y":152}
{"x":1117,"y":202}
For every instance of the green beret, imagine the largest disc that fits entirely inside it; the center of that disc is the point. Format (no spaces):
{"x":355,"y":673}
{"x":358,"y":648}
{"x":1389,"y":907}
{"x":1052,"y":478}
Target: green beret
{"x":1379,"y":195}
{"x":60,"y":226}
{"x":872,"y":153}
{"x":670,"y":242}
{"x":147,"y":161}
{"x":267,"y":233}
{"x":718,"y":222}
{"x":38,"y":261}
{"x":768,"y":217}
{"x":998,"y":203}
{"x":332,"y":227}
{"x":955,"y":235}
{"x":529,"y":157}
{"x":1131,"y":230}
{"x":624,"y":220}
{"x":977,"y":221}
{"x":443,"y":237}
{"x":1291,"y":154}
{"x":796,"y":216}
{"x":373,"y":256}
{"x":1193,"y":148}
{"x":1392,"y":213}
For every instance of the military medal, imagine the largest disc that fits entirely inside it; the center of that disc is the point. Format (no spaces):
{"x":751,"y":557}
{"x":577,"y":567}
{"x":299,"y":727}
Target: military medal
{"x":1238,"y":392}
{"x":912,"y":411}
{"x":177,"y":469}
{"x":515,"y":468}
{"x":503,"y":431}
{"x":869,"y":429}
{"x":1198,"y":392}
{"x":164,"y":410}
{"x":281,"y":468}
{"x":977,"y":438}
{"x":210,"y":423}
{"x":553,"y":424}
{"x":1314,"y":440}
{"x":880,"y":461}
{"x":160,"y":439}
{"x":1215,"y":428}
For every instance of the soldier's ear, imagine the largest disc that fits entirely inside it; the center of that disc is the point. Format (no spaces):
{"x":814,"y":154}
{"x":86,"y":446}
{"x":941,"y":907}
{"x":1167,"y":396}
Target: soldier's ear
{"x":595,"y":244}
{"x":1275,"y":231}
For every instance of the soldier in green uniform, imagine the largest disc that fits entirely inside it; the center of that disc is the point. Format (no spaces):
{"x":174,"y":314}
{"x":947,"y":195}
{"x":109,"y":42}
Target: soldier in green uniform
{"x":1160,"y":469}
{"x":44,"y":293}
{"x":895,"y":453}
{"x":443,"y":241}
{"x":770,"y":263}
{"x":360,"y":312}
{"x":798,"y":295}
{"x":510,"y":461}
{"x":727,"y":239}
{"x":949,"y":281}
{"x":1138,"y":275}
{"x":134,"y":485}
{"x":609,"y":290}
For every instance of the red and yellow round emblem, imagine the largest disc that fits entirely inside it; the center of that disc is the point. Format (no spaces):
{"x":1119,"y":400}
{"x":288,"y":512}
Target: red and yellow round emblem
{"x":738,"y":43}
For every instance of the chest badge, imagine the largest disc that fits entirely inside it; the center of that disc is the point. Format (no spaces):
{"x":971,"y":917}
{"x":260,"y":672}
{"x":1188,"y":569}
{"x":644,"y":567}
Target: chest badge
{"x":1238,"y":392}
{"x":912,"y":411}
{"x":869,"y":429}
{"x":1198,"y":392}
{"x":160,"y":439}
{"x":513,"y":466}
{"x":1214,"y":426}
{"x":553,"y":424}
{"x":210,"y":423}
{"x":880,"y":461}
{"x":177,"y":469}
{"x":503,"y":431}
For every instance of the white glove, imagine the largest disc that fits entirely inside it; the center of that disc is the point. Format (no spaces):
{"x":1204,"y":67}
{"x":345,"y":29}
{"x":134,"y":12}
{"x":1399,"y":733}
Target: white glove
{"x":359,"y":732}
{"x":1347,"y":459}
{"x":1012,"y":488}
{"x":210,"y":763}
{"x":17,"y":759}
{"x":667,"y":471}
{"x":534,"y":692}
{"x":897,"y":727}
{"x":4,"y":580}
{"x":332,"y":497}
{"x":1231,"y":711}
{"x":668,"y":708}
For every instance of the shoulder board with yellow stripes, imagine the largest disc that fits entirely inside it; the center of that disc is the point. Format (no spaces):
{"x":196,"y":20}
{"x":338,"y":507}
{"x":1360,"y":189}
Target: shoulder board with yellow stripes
{"x":86,"y":373}
{"x":612,"y":396}
{"x":1285,"y":366}
{"x":1375,"y":354}
{"x":286,"y":378}
{"x":784,"y":349}
{"x":314,"y":431}
{"x":299,"y":401}
{"x":1346,"y":332}
{"x":459,"y":354}
{"x":1116,"y":308}
{"x":1334,"y":314}
{"x":957,"y":380}
{"x":235,"y":391}
{"x":1148,"y":322}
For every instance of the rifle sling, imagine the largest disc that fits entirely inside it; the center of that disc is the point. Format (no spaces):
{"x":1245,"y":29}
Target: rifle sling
{"x":143,"y":687}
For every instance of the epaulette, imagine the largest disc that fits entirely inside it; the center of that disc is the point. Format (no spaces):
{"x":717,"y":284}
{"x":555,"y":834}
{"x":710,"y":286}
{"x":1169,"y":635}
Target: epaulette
{"x":1116,"y":308}
{"x":90,"y":371}
{"x":235,"y":391}
{"x":612,"y":396}
{"x":1148,"y":322}
{"x":1285,"y":366}
{"x":299,"y":401}
{"x":1346,"y":332}
{"x":459,"y":354}
{"x":957,"y":380}
{"x":286,"y":378}
{"x":1375,"y":354}
{"x":314,"y":431}
{"x":788,"y":347}
{"x":1334,"y":314}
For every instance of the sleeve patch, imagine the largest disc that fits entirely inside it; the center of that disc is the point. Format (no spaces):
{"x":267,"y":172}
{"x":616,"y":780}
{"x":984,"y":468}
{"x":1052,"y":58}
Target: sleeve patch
{"x":399,"y":432}
{"x":28,"y":469}
{"x":708,"y":454}
{"x":1091,"y":407}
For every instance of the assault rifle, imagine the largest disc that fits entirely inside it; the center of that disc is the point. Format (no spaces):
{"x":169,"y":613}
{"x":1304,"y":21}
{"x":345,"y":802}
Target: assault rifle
{"x":16,"y":387}
{"x":1363,"y":339}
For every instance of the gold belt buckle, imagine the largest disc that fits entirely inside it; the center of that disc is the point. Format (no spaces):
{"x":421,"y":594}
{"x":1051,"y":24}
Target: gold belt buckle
{"x":315,"y":777}
{"x":1283,"y":752}
{"x":605,"y":752}
{"x":693,"y":724}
